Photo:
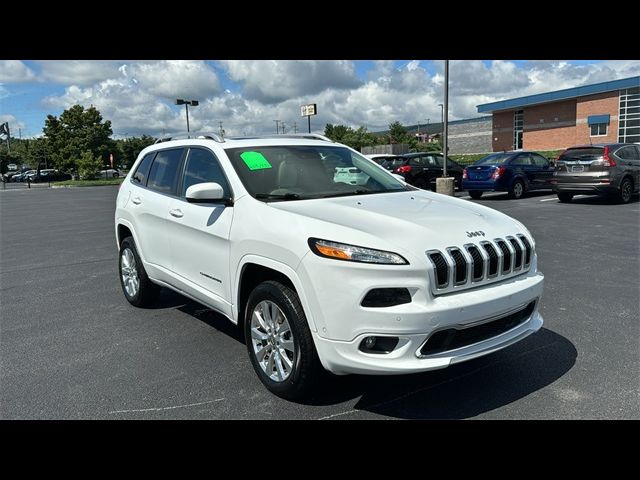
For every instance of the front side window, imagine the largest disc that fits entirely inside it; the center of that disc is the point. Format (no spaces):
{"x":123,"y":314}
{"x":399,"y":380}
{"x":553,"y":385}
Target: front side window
{"x":202,"y":167}
{"x":164,"y":170}
{"x":291,"y":172}
{"x":540,"y":161}
{"x":599,"y":129}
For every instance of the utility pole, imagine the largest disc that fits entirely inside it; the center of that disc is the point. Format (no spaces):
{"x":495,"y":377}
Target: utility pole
{"x":282,"y":123}
{"x":445,"y":185}
{"x":295,"y":128}
{"x":277,"y":127}
{"x":20,"y":133}
{"x":221,"y":130}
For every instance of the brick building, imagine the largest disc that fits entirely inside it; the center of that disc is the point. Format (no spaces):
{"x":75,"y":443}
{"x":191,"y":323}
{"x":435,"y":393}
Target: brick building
{"x":598,"y":113}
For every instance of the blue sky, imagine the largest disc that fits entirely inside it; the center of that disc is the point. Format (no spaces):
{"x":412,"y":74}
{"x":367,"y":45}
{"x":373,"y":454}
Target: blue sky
{"x":247,"y":96}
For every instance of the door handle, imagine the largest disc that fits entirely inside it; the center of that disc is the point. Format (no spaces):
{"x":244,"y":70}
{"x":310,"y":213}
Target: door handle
{"x":136,"y":200}
{"x":176,"y":212}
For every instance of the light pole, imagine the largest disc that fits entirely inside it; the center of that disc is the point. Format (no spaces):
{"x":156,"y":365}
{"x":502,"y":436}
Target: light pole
{"x":445,"y":120}
{"x":186,"y":103}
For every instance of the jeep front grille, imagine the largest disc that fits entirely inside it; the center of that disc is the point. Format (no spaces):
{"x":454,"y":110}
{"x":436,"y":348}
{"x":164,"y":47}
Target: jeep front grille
{"x":456,"y":268}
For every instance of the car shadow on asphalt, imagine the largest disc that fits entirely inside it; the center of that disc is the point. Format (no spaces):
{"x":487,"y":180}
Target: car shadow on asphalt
{"x":505,"y":196}
{"x":460,"y":391}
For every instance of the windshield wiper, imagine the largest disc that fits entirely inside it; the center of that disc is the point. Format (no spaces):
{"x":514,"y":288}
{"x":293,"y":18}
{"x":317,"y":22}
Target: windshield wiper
{"x":278,"y":196}
{"x":353,"y":192}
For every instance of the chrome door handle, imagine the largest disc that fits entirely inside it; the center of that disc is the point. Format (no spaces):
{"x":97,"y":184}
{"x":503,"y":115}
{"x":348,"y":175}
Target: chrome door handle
{"x":176,"y":212}
{"x":136,"y":200}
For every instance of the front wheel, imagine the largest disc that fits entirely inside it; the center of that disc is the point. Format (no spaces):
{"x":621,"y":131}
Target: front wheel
{"x":475,"y":194}
{"x":279,"y":341}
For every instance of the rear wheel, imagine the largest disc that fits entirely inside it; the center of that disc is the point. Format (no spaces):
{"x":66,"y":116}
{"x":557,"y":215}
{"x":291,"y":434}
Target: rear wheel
{"x":565,"y":197}
{"x":136,"y":286}
{"x":517,"y":189}
{"x":279,"y":341}
{"x":626,"y":189}
{"x":475,"y":194}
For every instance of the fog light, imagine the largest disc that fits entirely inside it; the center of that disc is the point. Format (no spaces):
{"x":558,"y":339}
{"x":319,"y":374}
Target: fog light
{"x":378,"y":344}
{"x":369,"y":343}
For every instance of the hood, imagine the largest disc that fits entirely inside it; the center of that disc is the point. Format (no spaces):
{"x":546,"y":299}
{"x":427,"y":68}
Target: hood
{"x":412,"y":221}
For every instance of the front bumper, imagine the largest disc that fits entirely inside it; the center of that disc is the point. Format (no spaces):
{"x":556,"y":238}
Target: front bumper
{"x":341,"y":323}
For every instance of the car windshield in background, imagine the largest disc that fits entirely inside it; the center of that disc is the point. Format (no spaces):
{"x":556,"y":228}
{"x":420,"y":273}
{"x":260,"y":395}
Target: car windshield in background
{"x":581,"y":154}
{"x":393,"y":163}
{"x":301,"y":172}
{"x":495,"y":159}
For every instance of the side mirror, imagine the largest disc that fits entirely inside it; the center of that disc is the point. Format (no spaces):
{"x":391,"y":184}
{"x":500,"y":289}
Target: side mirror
{"x":552,"y":164}
{"x":210,"y":192}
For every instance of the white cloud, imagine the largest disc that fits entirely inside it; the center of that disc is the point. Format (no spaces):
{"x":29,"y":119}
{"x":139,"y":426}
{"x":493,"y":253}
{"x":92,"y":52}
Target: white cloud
{"x":14,"y":71}
{"x":78,"y":72}
{"x":173,"y":79}
{"x":138,"y":96}
{"x":272,"y":81}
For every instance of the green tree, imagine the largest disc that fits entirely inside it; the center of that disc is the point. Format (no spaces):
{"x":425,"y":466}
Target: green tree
{"x":75,"y":132}
{"x":398,"y":133}
{"x":127,"y":150}
{"x":356,"y":139}
{"x":88,"y":165}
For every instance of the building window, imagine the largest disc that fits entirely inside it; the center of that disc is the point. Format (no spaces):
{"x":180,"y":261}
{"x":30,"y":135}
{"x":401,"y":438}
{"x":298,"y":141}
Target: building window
{"x":629,"y":117}
{"x":518,"y":127}
{"x":599,"y":129}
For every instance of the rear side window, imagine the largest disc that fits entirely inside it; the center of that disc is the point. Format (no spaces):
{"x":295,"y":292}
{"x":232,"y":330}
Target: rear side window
{"x":582,"y":154}
{"x":628,"y":153}
{"x":164,"y":170}
{"x":202,"y":167}
{"x":522,"y":160}
{"x":142,"y":172}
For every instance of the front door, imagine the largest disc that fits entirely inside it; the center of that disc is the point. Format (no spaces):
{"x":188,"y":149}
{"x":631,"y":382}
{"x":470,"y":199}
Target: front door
{"x":199,"y":233}
{"x":543,"y":171}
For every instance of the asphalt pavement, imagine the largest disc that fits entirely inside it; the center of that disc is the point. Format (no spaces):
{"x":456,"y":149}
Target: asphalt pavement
{"x":71,"y":347}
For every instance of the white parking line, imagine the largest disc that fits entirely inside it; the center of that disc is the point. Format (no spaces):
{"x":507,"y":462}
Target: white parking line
{"x":549,"y":200}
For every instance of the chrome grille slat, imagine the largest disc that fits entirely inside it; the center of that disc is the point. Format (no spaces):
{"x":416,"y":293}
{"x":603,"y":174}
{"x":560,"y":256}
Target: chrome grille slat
{"x":459,"y":268}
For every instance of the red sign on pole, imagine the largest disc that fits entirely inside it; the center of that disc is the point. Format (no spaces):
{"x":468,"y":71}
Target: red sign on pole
{"x":111,"y":159}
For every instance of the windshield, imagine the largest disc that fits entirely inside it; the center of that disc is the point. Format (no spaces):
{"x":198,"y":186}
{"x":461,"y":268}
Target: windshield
{"x":289,"y":172}
{"x":495,"y":159}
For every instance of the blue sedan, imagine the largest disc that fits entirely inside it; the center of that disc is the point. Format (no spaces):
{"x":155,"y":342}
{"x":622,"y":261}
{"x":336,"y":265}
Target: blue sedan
{"x":512,"y":172}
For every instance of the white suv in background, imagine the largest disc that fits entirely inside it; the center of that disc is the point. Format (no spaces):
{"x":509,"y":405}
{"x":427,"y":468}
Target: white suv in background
{"x":376,"y":277}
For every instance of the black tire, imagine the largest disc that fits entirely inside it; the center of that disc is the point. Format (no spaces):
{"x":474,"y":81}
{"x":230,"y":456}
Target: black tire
{"x":115,"y":175}
{"x":475,"y":194}
{"x":565,"y":197}
{"x":422,"y":183}
{"x":517,"y":190}
{"x":147,"y":292}
{"x":623,"y":195}
{"x":306,"y":369}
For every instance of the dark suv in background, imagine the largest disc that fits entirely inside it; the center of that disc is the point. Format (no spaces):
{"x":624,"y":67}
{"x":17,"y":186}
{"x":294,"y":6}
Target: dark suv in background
{"x":421,"y":169}
{"x":604,"y":169}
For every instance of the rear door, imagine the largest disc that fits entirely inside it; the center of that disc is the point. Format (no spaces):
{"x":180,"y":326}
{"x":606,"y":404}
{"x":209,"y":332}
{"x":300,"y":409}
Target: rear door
{"x":149,"y":203}
{"x":522,"y":166}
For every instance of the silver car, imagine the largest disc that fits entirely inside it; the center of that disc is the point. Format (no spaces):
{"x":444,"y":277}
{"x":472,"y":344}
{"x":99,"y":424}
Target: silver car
{"x":611,"y":169}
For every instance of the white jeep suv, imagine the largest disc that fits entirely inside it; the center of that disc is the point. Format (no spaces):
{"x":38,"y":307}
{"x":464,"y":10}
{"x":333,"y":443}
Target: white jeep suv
{"x":373,"y":278}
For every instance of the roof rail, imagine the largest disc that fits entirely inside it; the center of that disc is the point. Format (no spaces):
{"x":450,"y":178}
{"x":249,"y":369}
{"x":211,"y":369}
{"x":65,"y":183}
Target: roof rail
{"x":196,"y":136}
{"x":309,"y":136}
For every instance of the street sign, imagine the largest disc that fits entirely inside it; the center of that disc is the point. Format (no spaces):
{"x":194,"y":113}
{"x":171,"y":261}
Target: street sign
{"x":308,"y":110}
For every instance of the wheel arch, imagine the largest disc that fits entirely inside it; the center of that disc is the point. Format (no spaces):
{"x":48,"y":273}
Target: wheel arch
{"x":254,"y":270}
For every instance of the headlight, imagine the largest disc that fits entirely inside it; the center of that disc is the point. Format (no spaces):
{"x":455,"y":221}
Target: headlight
{"x":353,"y":253}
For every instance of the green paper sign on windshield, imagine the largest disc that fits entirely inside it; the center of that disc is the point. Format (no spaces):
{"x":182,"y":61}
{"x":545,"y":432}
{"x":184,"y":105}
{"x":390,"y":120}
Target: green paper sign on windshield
{"x":255,"y":160}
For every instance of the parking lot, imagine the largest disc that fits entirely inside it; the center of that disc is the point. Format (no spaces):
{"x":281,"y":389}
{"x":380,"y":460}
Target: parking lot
{"x":71,"y":347}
